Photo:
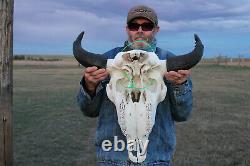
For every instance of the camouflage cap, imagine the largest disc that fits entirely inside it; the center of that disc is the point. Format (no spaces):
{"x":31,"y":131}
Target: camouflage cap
{"x":142,"y":11}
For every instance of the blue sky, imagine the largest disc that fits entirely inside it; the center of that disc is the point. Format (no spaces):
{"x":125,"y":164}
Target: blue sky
{"x":51,"y":26}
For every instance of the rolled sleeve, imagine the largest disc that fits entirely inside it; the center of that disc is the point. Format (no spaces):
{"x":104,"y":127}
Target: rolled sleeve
{"x":181,"y":100}
{"x":89,"y":104}
{"x":183,"y":88}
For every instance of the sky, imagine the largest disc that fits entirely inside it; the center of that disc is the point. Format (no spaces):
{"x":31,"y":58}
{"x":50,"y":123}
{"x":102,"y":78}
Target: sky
{"x":51,"y":26}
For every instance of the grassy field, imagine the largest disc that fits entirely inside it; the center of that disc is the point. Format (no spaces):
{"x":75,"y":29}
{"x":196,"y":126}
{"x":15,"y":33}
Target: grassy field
{"x":218,"y":131}
{"x":50,"y":130}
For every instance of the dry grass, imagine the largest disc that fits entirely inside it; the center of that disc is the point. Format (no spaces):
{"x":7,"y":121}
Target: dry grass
{"x":67,"y":61}
{"x":49,"y":129}
{"x":243,"y":62}
{"x":218,"y":131}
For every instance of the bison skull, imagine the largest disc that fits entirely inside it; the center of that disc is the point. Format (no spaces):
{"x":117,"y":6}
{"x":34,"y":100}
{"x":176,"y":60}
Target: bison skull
{"x":136,"y":87}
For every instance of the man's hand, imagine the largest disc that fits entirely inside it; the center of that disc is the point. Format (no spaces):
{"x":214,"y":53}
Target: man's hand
{"x":177,"y":78}
{"x":93,"y":76}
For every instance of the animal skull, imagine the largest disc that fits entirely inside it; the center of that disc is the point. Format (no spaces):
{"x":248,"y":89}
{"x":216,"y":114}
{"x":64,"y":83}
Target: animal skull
{"x":136,"y":87}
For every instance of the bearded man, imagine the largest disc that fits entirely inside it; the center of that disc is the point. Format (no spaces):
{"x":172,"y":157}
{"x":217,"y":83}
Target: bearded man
{"x":142,"y":27}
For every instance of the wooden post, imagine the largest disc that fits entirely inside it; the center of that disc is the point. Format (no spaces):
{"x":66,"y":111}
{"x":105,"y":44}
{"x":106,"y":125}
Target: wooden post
{"x":239,"y":60}
{"x":6,"y":81}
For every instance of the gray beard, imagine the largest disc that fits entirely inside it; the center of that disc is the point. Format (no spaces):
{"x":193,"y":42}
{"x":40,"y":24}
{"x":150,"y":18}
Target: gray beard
{"x":137,"y":45}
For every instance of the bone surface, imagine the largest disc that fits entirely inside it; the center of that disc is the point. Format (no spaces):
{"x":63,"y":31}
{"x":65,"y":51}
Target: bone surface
{"x":136,"y":87}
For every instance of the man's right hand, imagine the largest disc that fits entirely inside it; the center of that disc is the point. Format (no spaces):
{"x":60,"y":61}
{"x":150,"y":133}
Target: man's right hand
{"x":93,"y":76}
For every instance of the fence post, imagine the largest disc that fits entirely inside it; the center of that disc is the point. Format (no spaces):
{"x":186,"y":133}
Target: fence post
{"x":239,"y":60}
{"x":6,"y":81}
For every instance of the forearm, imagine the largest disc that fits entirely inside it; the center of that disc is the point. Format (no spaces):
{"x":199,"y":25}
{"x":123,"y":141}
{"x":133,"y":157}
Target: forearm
{"x":181,"y":99}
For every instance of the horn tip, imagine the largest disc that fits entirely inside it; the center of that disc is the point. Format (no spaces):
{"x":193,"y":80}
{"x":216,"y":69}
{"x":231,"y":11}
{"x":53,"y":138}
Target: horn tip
{"x":80,"y":36}
{"x":82,"y":33}
{"x":197,"y":38}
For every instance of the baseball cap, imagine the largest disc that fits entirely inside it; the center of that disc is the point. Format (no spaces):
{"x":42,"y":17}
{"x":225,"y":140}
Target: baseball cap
{"x":142,"y":11}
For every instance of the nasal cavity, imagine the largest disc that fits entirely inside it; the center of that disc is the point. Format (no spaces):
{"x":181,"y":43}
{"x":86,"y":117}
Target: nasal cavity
{"x":135,"y":58}
{"x":135,"y":95}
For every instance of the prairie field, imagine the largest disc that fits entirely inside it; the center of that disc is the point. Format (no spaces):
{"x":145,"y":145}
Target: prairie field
{"x":50,"y":130}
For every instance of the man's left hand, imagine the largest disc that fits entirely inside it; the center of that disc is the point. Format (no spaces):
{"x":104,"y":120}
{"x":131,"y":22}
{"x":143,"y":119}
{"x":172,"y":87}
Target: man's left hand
{"x":179,"y":77}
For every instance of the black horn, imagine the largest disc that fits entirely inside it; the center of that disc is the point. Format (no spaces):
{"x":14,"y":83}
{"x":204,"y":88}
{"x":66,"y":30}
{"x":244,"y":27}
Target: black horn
{"x":85,"y":58}
{"x":186,"y":61}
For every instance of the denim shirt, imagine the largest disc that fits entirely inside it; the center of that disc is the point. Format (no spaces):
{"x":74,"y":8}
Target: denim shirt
{"x":176,"y":106}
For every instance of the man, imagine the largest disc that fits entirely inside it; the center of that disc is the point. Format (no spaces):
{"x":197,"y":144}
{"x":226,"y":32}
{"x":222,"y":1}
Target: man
{"x":142,"y":27}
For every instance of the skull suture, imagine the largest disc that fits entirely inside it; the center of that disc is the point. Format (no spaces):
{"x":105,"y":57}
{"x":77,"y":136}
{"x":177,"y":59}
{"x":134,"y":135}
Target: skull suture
{"x":136,"y":87}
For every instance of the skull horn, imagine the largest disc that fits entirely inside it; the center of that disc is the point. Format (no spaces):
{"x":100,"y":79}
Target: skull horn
{"x":85,"y":58}
{"x":186,"y":61}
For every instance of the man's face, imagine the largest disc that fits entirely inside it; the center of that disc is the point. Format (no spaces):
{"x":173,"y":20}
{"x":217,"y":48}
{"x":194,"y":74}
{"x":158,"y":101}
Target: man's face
{"x":141,"y":29}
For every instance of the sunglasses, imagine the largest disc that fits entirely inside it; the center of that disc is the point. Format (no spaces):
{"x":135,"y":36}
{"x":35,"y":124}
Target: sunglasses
{"x":144,"y":26}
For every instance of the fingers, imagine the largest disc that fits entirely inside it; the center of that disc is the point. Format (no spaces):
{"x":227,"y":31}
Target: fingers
{"x":91,"y":69}
{"x":93,"y":74}
{"x":179,"y":74}
{"x":99,"y":73}
{"x":173,"y":74}
{"x":184,"y":73}
{"x":178,"y":77}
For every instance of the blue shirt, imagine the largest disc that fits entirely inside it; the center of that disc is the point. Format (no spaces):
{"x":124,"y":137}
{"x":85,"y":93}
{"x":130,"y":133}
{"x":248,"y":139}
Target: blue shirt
{"x":176,"y":106}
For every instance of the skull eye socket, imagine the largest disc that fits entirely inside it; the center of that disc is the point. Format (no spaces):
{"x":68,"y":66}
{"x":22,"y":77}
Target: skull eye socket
{"x":142,"y":54}
{"x":127,"y":69}
{"x":144,"y":69}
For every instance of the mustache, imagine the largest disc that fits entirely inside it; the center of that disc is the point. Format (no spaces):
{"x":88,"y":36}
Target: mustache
{"x":141,"y":36}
